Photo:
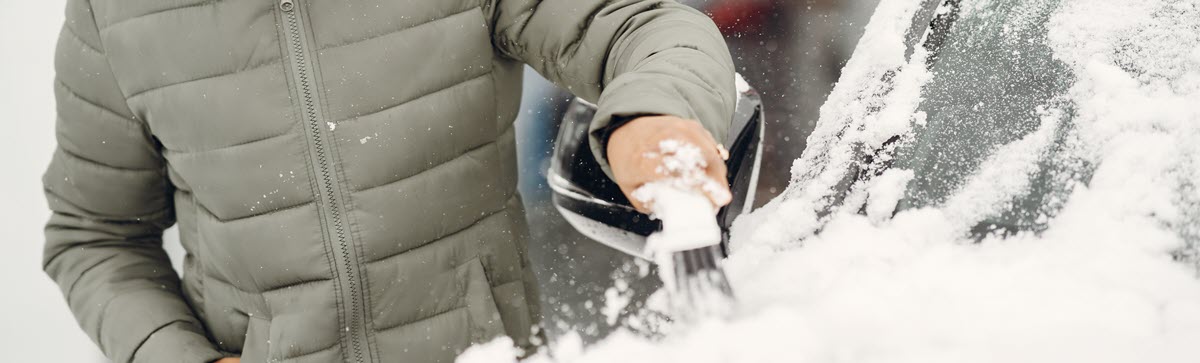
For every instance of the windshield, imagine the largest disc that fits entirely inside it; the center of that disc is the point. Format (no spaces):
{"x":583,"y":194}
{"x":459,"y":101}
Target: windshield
{"x":999,"y":115}
{"x":993,"y":81}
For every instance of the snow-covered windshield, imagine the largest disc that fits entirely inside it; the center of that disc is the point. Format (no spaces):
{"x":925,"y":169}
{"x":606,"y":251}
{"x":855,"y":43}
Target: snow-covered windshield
{"x":992,"y":82}
{"x":998,"y":112}
{"x":1018,"y":186}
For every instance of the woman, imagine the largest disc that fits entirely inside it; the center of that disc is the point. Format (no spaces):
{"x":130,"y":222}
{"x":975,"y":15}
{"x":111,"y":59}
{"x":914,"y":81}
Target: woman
{"x":342,"y":172}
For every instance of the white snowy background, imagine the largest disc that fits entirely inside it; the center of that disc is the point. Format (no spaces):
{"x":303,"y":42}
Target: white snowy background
{"x":35,"y":325}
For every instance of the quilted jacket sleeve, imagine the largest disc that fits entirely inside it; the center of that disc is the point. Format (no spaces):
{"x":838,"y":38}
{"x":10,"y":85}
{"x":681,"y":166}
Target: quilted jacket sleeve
{"x":110,"y":199}
{"x":635,"y":57}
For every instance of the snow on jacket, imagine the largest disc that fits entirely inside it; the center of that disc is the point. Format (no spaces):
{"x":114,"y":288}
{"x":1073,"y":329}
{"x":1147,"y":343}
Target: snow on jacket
{"x":342,"y":172}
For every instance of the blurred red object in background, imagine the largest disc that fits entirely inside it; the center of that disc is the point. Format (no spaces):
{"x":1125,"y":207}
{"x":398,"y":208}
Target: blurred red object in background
{"x":739,"y":16}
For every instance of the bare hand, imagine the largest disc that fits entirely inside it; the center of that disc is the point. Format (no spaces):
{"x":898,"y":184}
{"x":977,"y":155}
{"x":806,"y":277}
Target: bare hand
{"x":636,"y":157}
{"x":229,"y":360}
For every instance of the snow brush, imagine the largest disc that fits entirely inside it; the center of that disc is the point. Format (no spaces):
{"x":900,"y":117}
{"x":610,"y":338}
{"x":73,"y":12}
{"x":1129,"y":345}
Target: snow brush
{"x":687,"y":250}
{"x":595,"y":206}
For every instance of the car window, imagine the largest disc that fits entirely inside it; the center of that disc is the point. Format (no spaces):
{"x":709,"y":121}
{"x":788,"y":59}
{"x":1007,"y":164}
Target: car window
{"x":994,"y":81}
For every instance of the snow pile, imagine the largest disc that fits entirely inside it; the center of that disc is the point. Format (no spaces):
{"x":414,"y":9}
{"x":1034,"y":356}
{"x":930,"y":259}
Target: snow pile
{"x":1111,"y":279}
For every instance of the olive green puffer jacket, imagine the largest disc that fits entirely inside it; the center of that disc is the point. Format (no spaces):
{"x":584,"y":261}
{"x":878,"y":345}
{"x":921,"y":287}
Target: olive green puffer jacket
{"x":342,"y":172}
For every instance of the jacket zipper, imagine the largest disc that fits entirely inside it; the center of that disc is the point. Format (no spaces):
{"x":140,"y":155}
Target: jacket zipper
{"x":347,"y":263}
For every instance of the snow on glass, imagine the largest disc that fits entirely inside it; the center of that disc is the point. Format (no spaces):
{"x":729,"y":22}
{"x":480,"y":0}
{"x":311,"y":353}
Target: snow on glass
{"x":1102,"y":269}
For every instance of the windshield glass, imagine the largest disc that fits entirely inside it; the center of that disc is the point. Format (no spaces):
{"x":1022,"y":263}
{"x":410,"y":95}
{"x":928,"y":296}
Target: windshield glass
{"x":997,"y":118}
{"x":994,"y":81}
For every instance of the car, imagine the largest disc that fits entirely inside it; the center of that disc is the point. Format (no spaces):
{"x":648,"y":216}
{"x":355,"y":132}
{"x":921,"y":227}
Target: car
{"x":989,"y":117}
{"x":990,"y":180}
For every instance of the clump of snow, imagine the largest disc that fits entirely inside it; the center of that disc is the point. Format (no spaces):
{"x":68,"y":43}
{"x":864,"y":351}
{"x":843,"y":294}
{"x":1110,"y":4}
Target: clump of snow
{"x":616,"y":298}
{"x":679,"y":158}
{"x":885,"y":192}
{"x":1106,"y":281}
{"x":688,"y":219}
{"x":684,"y":165}
{"x":496,"y":351}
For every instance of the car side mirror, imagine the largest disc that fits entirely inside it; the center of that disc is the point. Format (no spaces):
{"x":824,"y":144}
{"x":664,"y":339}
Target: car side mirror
{"x":594,"y":204}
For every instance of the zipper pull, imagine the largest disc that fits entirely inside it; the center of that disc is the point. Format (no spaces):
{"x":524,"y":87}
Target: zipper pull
{"x":286,"y":5}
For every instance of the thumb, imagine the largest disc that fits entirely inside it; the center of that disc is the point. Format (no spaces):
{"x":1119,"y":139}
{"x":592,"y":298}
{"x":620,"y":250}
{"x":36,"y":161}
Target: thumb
{"x":717,"y":191}
{"x":717,"y":187}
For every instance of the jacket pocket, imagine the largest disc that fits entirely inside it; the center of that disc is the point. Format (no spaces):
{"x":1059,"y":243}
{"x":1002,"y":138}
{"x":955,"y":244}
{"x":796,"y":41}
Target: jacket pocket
{"x":257,"y":345}
{"x":483,"y":317}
